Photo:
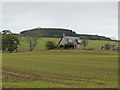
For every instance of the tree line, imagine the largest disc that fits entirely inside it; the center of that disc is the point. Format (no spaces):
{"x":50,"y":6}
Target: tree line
{"x":58,"y":32}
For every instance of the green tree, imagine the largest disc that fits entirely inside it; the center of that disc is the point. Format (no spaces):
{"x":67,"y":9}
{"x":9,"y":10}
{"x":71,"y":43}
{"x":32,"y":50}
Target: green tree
{"x":85,"y":43}
{"x":50,"y":45}
{"x":9,"y":42}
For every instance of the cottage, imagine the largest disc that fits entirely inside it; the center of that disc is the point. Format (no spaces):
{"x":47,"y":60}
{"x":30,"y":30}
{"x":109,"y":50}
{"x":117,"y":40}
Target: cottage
{"x":77,"y":42}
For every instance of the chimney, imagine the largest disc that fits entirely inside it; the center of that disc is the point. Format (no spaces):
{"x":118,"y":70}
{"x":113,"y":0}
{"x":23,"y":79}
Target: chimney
{"x":63,"y":35}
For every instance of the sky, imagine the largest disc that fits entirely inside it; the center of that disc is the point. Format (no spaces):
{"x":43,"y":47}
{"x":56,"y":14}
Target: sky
{"x":96,"y":18}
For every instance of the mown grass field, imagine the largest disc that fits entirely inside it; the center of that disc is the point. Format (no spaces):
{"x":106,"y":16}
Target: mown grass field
{"x":60,"y":69}
{"x":95,"y":44}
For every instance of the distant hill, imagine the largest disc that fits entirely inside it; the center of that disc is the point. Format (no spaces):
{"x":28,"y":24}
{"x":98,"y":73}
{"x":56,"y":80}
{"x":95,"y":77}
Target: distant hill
{"x":58,"y":32}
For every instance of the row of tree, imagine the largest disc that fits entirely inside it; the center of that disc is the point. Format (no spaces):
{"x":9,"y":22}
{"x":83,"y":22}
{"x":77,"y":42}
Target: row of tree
{"x":58,"y":32}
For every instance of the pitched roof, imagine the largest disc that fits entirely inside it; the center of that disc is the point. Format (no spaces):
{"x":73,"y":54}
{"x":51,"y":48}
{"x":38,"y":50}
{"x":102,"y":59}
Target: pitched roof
{"x":69,"y":37}
{"x":73,"y":39}
{"x":78,"y":41}
{"x":60,"y":40}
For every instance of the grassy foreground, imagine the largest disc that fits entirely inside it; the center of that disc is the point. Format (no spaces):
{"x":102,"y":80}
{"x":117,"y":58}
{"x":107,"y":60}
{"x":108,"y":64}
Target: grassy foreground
{"x":60,"y":69}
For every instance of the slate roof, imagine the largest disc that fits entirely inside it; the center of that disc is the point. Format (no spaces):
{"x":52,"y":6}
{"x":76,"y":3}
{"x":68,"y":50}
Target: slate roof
{"x":73,"y":39}
{"x":69,"y":37}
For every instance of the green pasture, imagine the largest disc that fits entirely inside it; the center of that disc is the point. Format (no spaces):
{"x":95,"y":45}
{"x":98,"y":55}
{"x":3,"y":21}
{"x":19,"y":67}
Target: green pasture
{"x":24,"y":45}
{"x":95,"y":44}
{"x":60,"y":69}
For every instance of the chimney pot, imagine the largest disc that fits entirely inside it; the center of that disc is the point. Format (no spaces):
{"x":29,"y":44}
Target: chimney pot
{"x":63,"y":34}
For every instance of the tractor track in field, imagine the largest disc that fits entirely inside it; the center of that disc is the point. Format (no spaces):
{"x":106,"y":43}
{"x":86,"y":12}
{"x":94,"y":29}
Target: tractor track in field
{"x":33,"y":77}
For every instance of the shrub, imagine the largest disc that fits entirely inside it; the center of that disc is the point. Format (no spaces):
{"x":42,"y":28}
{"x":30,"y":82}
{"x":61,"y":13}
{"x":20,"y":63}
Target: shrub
{"x":61,"y":46}
{"x":50,"y":45}
{"x":107,"y":46}
{"x":68,"y":46}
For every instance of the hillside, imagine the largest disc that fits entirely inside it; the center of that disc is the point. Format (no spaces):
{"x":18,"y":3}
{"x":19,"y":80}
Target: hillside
{"x":95,"y":44}
{"x":57,"y":33}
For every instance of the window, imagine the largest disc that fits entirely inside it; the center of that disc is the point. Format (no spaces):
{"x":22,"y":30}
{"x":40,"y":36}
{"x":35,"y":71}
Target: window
{"x":79,"y":41}
{"x":67,"y":39}
{"x":70,"y":40}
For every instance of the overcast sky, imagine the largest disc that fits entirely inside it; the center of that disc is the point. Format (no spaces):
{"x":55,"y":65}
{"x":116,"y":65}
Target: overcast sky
{"x":99,"y":18}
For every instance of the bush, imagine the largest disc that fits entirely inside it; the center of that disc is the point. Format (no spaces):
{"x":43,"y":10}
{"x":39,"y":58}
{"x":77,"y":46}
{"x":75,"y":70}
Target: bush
{"x":60,"y":47}
{"x":107,"y":46}
{"x":50,"y":45}
{"x":68,"y":46}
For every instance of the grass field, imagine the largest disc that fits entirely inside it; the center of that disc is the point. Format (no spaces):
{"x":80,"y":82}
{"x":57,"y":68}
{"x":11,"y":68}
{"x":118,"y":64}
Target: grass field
{"x":95,"y":44}
{"x":60,"y":69}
